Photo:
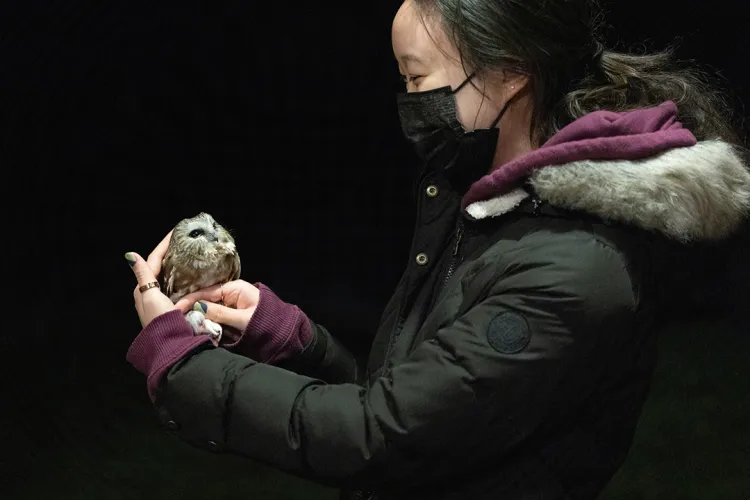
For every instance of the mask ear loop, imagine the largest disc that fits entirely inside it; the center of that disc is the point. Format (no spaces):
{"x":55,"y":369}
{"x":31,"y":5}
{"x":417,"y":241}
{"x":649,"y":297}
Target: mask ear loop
{"x":502,"y":111}
{"x":499,"y":117}
{"x":465,"y":82}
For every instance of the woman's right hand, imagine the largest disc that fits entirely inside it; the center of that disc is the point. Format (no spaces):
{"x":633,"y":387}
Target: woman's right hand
{"x":156,"y":257}
{"x":239,"y":298}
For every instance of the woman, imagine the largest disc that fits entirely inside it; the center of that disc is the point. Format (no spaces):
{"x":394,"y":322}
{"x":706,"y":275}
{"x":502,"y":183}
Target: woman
{"x":515,"y":355}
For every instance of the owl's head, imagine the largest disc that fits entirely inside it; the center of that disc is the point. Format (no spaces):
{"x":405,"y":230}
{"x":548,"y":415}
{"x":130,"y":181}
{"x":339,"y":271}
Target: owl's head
{"x":202,"y":233}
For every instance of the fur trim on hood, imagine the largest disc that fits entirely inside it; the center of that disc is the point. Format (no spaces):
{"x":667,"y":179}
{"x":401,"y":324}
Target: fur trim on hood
{"x":640,"y":168}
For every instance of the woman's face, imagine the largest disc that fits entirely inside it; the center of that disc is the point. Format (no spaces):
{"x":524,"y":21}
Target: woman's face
{"x":425,"y":67}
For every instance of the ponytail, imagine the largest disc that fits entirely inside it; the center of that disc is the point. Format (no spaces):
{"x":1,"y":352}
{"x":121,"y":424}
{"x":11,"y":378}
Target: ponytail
{"x":618,"y":81}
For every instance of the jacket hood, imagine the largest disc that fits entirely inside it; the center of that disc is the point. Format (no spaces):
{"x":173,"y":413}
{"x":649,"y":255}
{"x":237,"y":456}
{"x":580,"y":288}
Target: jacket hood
{"x":639,"y":167}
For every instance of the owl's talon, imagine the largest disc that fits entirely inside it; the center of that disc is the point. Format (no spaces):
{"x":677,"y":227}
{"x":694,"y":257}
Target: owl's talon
{"x":213,"y":329}
{"x":203,"y":326}
{"x":196,"y":320}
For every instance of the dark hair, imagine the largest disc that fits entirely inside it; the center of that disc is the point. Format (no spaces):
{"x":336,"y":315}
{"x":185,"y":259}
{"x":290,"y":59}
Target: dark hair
{"x":556,"y":44}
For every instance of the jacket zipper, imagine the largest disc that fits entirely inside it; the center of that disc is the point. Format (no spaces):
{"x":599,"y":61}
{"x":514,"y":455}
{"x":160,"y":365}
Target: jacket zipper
{"x":537,"y":203}
{"x":454,"y":259}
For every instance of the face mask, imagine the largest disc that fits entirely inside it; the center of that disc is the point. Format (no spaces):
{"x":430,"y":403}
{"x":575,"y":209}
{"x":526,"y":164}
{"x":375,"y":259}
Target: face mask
{"x":429,"y":122}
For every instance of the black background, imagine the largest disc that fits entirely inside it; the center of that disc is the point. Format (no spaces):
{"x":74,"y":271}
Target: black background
{"x":119,"y":119}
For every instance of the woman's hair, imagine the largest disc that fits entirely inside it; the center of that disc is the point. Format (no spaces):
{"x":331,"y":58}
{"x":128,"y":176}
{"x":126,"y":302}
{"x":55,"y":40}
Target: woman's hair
{"x":556,"y":44}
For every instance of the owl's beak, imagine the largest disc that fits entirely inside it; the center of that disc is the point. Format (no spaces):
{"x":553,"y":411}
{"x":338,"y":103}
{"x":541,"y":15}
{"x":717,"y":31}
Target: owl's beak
{"x":212,"y":237}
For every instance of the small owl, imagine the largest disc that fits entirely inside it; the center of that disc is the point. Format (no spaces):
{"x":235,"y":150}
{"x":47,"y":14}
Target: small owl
{"x":201,"y":254}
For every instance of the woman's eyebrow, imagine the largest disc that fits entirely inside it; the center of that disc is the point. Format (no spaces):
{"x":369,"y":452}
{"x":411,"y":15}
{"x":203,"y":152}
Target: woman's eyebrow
{"x":410,"y":57}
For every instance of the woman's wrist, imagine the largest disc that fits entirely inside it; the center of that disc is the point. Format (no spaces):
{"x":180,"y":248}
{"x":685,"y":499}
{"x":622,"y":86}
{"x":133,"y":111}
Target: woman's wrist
{"x":277,"y":330}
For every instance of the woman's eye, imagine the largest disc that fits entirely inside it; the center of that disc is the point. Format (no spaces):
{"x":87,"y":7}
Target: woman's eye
{"x":409,"y":79}
{"x":196,"y":232}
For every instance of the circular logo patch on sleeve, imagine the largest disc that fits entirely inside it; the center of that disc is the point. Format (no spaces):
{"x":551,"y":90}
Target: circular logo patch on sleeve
{"x":508,"y":333}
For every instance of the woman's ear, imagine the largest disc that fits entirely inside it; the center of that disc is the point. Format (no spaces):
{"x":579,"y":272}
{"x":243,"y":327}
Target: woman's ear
{"x":513,"y":84}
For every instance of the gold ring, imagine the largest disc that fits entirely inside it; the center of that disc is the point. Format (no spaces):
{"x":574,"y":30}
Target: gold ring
{"x":148,"y":286}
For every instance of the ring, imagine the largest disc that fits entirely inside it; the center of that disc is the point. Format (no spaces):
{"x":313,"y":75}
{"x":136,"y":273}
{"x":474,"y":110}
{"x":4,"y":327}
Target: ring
{"x":148,"y":286}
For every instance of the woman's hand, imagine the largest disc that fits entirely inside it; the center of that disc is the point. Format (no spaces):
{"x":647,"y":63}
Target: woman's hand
{"x":152,"y":302}
{"x":239,"y":297}
{"x":156,"y":257}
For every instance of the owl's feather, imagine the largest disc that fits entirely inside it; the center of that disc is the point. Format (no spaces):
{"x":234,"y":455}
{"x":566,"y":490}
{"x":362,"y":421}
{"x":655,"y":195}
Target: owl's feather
{"x":201,"y":253}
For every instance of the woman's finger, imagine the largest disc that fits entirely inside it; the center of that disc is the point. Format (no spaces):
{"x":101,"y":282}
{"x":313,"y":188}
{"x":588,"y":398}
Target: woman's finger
{"x":152,"y":301}
{"x":138,"y":301}
{"x":211,"y":294}
{"x":236,"y":318}
{"x":142,"y":271}
{"x":156,"y":256}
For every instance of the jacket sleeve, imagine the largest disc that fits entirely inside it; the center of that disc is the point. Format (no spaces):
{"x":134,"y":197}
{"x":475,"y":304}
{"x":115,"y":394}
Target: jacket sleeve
{"x":324,"y":358}
{"x":499,"y":364}
{"x":281,"y":334}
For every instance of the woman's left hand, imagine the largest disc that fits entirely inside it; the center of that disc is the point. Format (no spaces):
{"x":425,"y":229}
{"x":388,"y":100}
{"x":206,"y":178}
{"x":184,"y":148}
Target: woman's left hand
{"x":152,"y":302}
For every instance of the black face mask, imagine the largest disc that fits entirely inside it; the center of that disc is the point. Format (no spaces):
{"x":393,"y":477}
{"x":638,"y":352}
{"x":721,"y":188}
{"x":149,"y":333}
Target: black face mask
{"x":429,"y":122}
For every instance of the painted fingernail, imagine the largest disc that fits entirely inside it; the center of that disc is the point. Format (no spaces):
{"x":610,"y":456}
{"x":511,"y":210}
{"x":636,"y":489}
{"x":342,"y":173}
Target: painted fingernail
{"x":130,"y":258}
{"x":201,"y":307}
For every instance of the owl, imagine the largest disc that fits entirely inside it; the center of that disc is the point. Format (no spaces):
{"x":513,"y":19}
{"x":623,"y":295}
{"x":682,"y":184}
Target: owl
{"x":201,"y":253}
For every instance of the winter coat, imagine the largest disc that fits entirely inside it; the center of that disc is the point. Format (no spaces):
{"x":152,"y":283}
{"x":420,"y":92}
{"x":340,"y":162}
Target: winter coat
{"x":515,"y":355}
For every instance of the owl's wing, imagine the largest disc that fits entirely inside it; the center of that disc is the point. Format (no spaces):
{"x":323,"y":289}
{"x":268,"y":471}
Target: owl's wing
{"x":234,"y":273}
{"x":167,"y":269}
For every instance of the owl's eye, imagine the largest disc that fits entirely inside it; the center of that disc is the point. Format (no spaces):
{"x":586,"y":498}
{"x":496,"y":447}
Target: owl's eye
{"x":196,"y":232}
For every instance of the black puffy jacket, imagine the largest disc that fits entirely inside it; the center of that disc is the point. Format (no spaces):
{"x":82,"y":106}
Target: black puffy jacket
{"x":512,"y":361}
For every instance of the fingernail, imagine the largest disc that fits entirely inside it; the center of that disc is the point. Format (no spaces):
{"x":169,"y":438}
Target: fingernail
{"x":201,"y":307}
{"x":130,"y":258}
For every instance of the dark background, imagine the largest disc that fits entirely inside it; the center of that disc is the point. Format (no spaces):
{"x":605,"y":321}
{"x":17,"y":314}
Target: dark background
{"x":119,"y":119}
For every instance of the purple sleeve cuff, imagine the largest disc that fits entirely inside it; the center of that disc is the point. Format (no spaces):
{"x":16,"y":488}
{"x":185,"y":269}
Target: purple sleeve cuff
{"x":162,"y":343}
{"x":276,"y":331}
